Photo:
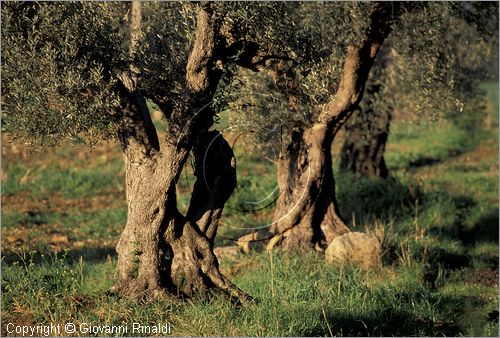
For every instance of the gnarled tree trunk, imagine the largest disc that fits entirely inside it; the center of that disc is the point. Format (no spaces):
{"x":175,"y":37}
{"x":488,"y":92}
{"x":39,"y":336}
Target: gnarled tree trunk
{"x":162,"y":251}
{"x":364,"y":146}
{"x":306,"y":213}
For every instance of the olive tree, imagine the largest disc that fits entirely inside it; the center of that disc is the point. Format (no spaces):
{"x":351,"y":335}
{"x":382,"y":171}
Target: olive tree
{"x":323,"y":85}
{"x":320,"y":86}
{"x":442,"y":81}
{"x":83,"y":71}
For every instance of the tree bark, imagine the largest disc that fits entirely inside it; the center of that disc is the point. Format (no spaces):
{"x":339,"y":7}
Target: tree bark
{"x":365,"y":140}
{"x":306,"y":214}
{"x":161,"y":251}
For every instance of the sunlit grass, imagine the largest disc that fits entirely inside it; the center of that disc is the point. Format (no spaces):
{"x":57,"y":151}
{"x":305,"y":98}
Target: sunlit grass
{"x":438,"y":215}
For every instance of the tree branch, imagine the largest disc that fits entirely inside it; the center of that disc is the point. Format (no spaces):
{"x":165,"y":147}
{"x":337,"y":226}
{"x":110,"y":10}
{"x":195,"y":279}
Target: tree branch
{"x":358,"y":63}
{"x":136,"y":123}
{"x":250,"y":55}
{"x":136,"y":126}
{"x":202,"y":78}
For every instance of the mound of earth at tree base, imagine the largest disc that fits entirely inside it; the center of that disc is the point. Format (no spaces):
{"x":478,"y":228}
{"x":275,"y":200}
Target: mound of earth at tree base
{"x":355,"y":248}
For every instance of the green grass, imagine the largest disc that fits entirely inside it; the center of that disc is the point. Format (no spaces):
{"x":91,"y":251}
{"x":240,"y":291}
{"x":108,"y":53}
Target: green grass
{"x":295,"y":295}
{"x":96,"y":225}
{"x":80,"y":225}
{"x":437,"y":215}
{"x":426,"y":143}
{"x":70,"y":182}
{"x":491,"y":89}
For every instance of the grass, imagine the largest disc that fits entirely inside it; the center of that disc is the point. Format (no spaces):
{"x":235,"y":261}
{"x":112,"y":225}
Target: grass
{"x":296,"y":295}
{"x":70,"y":183}
{"x":63,"y":211}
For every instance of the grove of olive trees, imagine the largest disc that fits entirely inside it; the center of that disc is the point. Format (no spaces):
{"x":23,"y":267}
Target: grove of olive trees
{"x":84,"y":71}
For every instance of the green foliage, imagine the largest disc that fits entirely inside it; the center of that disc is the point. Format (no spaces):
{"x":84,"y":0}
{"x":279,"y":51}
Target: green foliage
{"x":313,"y":36}
{"x":439,"y":57}
{"x":167,"y":29}
{"x":57,"y":69}
{"x":61,"y":61}
{"x":429,"y":68}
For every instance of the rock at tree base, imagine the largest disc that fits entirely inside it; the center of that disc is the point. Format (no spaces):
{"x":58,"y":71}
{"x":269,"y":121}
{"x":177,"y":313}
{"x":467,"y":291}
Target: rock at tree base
{"x":254,"y":241}
{"x":355,"y":248}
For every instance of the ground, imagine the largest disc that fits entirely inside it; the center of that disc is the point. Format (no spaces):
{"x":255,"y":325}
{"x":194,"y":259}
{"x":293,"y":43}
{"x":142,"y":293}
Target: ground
{"x":63,"y":210}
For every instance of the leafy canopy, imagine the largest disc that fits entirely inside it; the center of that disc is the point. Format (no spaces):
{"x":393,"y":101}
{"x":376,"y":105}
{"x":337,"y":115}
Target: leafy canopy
{"x":429,"y":67}
{"x":60,"y":60}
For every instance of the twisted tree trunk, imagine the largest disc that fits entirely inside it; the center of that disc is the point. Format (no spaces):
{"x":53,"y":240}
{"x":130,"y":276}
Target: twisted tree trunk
{"x":306,"y":214}
{"x":162,"y":251}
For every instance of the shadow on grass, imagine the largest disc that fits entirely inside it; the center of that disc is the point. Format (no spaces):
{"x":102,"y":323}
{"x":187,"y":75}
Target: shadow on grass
{"x":433,"y":260}
{"x":449,"y":219}
{"x":388,"y":322}
{"x":392,"y":317}
{"x":369,"y":198}
{"x":486,"y":229}
{"x":424,"y":160}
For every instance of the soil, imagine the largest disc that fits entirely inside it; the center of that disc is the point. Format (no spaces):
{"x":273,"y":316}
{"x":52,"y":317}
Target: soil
{"x":483,"y":276}
{"x":55,"y":237}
